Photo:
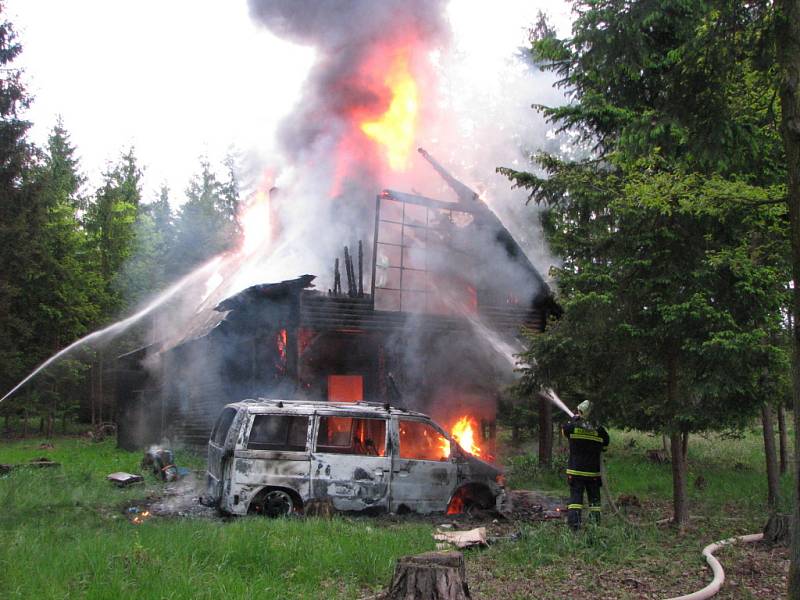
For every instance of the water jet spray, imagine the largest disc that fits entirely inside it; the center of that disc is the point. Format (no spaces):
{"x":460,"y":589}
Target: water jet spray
{"x":121,"y":325}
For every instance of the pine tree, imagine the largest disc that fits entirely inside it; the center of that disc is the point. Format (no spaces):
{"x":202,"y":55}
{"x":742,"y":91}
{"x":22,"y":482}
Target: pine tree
{"x":672,"y":232}
{"x":64,"y":290}
{"x":110,"y":222}
{"x":20,"y":217}
{"x":205,"y":225}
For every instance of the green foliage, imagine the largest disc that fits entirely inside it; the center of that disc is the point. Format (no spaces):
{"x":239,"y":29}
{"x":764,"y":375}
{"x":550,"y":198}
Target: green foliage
{"x":674,"y":236}
{"x":71,"y":262}
{"x":206,"y":223}
{"x":110,"y":222}
{"x":20,"y":217}
{"x":685,"y":78}
{"x":146,"y":270}
{"x":674,"y":233}
{"x":666,"y":277}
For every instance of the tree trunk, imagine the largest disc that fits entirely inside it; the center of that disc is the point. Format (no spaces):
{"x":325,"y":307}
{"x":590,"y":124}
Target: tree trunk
{"x":776,"y":531}
{"x":679,"y":440}
{"x":783,"y":438}
{"x":773,"y":485}
{"x":545,"y":432}
{"x":100,"y":394}
{"x":93,"y":392}
{"x":680,"y":501}
{"x":515,"y":435}
{"x":432,"y":576}
{"x":787,"y":38}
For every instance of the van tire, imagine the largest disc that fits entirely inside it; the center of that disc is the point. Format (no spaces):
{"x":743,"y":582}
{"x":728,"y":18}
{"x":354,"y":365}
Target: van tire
{"x":274,"y":503}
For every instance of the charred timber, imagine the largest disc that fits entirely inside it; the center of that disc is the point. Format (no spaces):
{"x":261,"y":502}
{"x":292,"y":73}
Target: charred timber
{"x":360,"y":269}
{"x":337,"y":278}
{"x":348,"y":264}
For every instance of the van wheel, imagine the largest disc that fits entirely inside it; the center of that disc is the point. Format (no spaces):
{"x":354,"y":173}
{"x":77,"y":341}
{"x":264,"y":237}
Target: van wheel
{"x":276,"y":503}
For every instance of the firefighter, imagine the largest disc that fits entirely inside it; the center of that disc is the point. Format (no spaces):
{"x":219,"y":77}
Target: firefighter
{"x":586,"y":442}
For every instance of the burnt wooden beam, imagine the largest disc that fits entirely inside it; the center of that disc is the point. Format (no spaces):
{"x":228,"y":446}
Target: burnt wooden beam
{"x":360,"y":269}
{"x":337,"y":278}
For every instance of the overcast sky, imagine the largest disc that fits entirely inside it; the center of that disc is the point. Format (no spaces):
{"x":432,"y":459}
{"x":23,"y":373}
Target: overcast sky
{"x":181,"y":78}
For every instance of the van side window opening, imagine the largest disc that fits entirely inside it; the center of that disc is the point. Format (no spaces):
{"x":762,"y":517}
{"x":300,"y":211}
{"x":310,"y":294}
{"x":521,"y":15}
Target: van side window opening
{"x":420,"y":441}
{"x":278,"y":432}
{"x":223,"y":425}
{"x":346,"y":435}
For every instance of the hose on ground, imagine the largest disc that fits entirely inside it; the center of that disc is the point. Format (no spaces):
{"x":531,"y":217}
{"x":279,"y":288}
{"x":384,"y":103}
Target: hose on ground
{"x":716,"y":568}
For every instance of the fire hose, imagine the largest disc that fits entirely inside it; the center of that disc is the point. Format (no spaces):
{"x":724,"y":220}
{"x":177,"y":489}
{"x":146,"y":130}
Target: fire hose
{"x":716,"y":568}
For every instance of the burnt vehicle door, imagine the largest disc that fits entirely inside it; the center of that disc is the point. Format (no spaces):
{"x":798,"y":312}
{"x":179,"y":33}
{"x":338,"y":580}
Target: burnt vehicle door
{"x":351,"y":463}
{"x":423,"y":474}
{"x":220,"y":450}
{"x":275,"y":453}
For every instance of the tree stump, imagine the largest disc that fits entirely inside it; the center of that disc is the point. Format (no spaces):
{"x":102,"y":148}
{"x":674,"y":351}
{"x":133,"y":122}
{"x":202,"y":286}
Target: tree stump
{"x":430,"y":576}
{"x":777,"y":529}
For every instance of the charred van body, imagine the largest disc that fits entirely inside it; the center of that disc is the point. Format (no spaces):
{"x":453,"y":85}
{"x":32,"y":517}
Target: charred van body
{"x":277,"y":456}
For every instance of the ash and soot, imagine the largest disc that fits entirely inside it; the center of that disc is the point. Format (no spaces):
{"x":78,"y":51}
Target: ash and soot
{"x":386,"y":80}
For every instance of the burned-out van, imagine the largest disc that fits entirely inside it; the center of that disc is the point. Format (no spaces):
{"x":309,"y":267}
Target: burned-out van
{"x":276,"y":456}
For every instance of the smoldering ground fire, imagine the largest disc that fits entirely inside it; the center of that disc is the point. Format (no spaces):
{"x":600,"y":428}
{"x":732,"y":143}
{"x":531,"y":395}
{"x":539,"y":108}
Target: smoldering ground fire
{"x":407,"y":285}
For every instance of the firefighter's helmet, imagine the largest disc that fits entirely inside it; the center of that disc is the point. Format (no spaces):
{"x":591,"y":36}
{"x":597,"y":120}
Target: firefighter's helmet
{"x":585,"y":408}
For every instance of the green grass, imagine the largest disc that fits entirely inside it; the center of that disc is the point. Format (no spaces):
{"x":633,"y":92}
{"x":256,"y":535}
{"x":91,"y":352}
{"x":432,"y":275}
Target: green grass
{"x":727,"y":494}
{"x":63,"y":533}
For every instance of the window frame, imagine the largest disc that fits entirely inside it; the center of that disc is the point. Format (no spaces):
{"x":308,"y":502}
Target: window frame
{"x":309,"y":423}
{"x":387,"y":452}
{"x":216,"y":429}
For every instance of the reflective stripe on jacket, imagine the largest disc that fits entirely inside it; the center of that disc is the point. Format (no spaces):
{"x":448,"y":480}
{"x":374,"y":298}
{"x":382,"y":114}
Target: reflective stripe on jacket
{"x":586,"y":442}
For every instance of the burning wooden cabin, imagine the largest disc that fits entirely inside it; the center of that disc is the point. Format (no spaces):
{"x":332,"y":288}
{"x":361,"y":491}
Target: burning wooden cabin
{"x":448,"y":287}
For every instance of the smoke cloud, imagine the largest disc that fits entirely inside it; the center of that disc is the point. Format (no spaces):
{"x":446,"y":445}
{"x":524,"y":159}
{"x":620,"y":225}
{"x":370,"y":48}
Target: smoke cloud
{"x":346,"y":34}
{"x":472,"y":118}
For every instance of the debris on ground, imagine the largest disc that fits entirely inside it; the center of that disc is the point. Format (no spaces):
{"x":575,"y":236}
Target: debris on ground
{"x":138,"y":515}
{"x":40,"y":462}
{"x":659,"y":457}
{"x":123,"y":479}
{"x":461,"y":539}
{"x":177,"y":499}
{"x":527,"y":505}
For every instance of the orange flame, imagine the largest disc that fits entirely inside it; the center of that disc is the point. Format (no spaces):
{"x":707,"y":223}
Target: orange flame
{"x":281,"y":341}
{"x":444,"y":447}
{"x":394,"y":130}
{"x":141,"y":517}
{"x":464,"y":433}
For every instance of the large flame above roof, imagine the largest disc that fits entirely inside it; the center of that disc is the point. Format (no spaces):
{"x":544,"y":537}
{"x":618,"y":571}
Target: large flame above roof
{"x":394,"y":130}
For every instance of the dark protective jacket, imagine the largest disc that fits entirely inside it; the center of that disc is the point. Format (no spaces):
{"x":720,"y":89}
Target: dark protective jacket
{"x":586,"y":442}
